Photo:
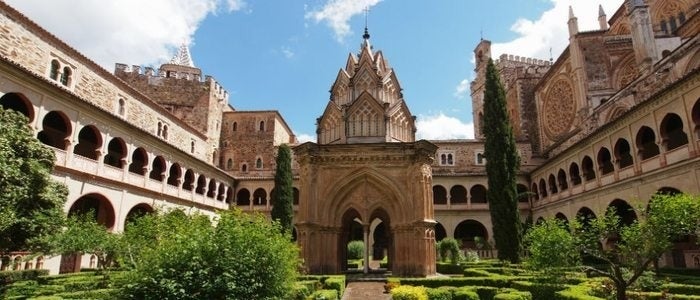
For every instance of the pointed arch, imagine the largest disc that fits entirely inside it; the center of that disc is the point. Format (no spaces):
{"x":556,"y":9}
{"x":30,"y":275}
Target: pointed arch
{"x":365,"y":117}
{"x":366,"y":177}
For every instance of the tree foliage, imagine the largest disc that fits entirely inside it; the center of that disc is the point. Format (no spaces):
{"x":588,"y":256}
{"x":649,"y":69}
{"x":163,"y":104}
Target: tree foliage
{"x":30,"y":201}
{"x":502,"y":163}
{"x":283,"y":193}
{"x":82,"y":234}
{"x":243,"y":256}
{"x":627,"y":250}
{"x":449,"y":248}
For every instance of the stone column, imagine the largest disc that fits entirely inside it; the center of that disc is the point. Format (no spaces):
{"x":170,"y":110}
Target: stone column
{"x":365,"y":229}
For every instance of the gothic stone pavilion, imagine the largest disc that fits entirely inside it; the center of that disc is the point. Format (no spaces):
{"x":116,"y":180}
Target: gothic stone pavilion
{"x":366,"y":167}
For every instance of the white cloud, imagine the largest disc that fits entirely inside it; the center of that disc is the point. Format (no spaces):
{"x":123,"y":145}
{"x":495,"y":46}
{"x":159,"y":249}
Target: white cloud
{"x":124,"y":31}
{"x":337,"y":13}
{"x":535,"y":37}
{"x":287,"y":52}
{"x":442,"y":127}
{"x":303,"y":138}
{"x":462,"y":89}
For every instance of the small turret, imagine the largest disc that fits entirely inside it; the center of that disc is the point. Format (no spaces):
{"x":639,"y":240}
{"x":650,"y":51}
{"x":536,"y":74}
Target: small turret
{"x":602,"y":18}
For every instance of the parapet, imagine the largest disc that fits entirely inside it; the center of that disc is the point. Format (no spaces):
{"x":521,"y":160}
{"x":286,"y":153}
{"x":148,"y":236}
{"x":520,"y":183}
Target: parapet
{"x":510,"y":58}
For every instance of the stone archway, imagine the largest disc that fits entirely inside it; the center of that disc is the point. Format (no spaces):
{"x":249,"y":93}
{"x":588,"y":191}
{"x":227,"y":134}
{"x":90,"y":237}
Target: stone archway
{"x":391,"y":182}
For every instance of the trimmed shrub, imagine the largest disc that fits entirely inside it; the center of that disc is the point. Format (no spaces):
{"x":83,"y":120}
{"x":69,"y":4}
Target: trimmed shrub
{"x":46,"y":298}
{"x":335,"y":283}
{"x":21,"y":288}
{"x":513,"y":295}
{"x":356,"y":250}
{"x":325,"y":295}
{"x":405,"y":292}
{"x":469,"y":272}
{"x":8,"y":277}
{"x":685,"y":289}
{"x":300,"y":292}
{"x":441,"y":293}
{"x":492,"y":281}
{"x":91,"y":294}
{"x":447,"y":268}
{"x":538,"y":290}
{"x":576,"y":292}
{"x":680,"y":271}
{"x":465,"y":293}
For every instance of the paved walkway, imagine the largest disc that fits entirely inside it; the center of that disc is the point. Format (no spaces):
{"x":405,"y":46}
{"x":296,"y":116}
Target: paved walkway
{"x":365,"y":291}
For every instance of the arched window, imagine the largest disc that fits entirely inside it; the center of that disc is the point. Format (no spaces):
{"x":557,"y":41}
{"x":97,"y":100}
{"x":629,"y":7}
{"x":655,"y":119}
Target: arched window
{"x":574,"y":174}
{"x":235,"y":126}
{"x":189,"y":180}
{"x":157,"y":169}
{"x":622,"y":153}
{"x":244,"y":168}
{"x":450,"y":160}
{"x":553,"y":184}
{"x":201,"y":185}
{"x":211,"y":190}
{"x":229,"y":164}
{"x":543,"y":188}
{"x":587,"y":166}
{"x":89,"y":142}
{"x":243,"y":197}
{"x":672,"y":134}
{"x":19,"y":103}
{"x":561,"y":178}
{"x":535,"y":194}
{"x":458,"y":194}
{"x":605,"y":161}
{"x":258,"y":163}
{"x":646,"y":143}
{"x":55,"y":66}
{"x":260,"y":197}
{"x":139,"y":161}
{"x":439,"y":195}
{"x":160,"y":129}
{"x":192,"y":147}
{"x":443,"y":159}
{"x":116,"y":153}
{"x":478,"y":194}
{"x":56,"y":128}
{"x":262,"y":126}
{"x":66,"y":76}
{"x":165,"y":132}
{"x":174,"y":175}
{"x":122,"y":107}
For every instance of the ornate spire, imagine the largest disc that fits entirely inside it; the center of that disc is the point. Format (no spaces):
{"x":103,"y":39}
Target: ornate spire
{"x":602,"y":18}
{"x":601,"y":12}
{"x":183,"y":57}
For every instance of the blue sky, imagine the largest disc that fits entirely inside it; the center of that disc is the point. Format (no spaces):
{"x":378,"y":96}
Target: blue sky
{"x":284,"y":55}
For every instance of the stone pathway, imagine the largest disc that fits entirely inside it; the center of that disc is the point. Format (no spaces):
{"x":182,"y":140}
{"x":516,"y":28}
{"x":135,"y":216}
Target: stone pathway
{"x":365,"y":291}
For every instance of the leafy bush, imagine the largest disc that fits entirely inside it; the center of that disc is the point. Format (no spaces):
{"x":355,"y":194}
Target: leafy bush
{"x":324,"y":295}
{"x":300,"y":291}
{"x":441,"y":293}
{"x":356,"y":250}
{"x":244,"y":257}
{"x":405,"y":292}
{"x":101,"y":294}
{"x":7,"y":277}
{"x":685,"y":289}
{"x":335,"y":283}
{"x":449,"y":248}
{"x":538,"y":290}
{"x":465,"y":293}
{"x":471,"y":256}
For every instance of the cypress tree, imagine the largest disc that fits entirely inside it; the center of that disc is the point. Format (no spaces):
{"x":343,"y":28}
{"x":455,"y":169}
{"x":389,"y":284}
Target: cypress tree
{"x":283,"y":193}
{"x":502,"y":164}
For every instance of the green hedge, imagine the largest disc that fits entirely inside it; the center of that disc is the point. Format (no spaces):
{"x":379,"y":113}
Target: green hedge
{"x":406,"y":292}
{"x":493,"y":281}
{"x":8,"y":277}
{"x":441,"y":293}
{"x":513,"y":295}
{"x":470,"y":272}
{"x":575,"y":292}
{"x":680,"y":271}
{"x":325,"y":295}
{"x":335,"y":283}
{"x":447,"y":268}
{"x":98,"y":294}
{"x":544,"y":291}
{"x":685,"y":289}
{"x":300,"y":291}
{"x":464,"y":293}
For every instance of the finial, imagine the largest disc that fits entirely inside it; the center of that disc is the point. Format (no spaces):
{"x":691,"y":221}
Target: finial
{"x":366,"y":35}
{"x":601,"y":12}
{"x":571,"y":13}
{"x":551,"y":58}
